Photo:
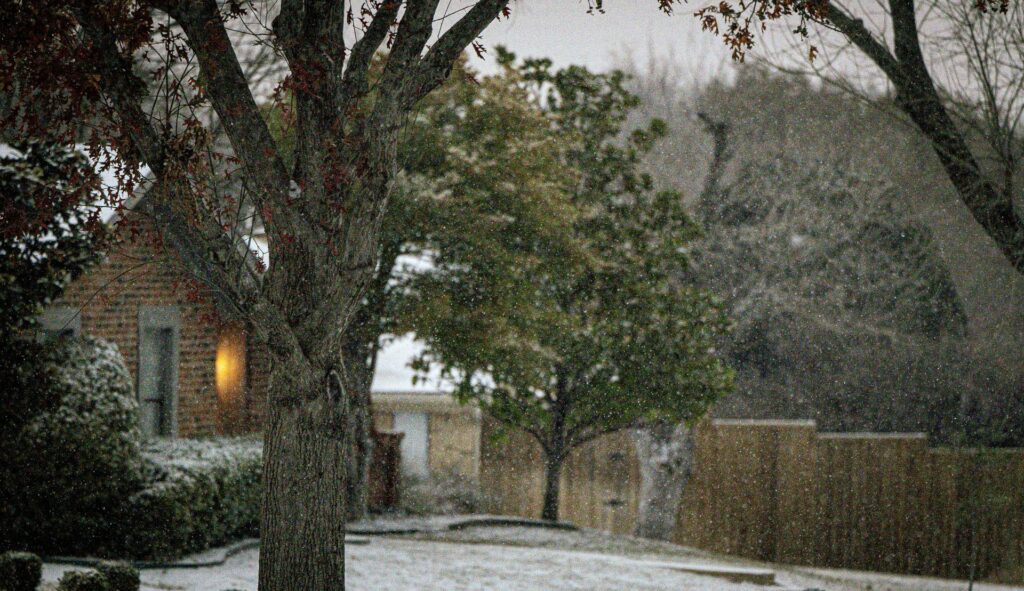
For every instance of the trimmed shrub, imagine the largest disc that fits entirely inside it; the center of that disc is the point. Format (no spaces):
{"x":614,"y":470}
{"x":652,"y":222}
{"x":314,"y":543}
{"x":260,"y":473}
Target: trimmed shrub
{"x":76,"y":479}
{"x":90,"y":580}
{"x":121,"y":576}
{"x":20,"y":571}
{"x":200,"y":493}
{"x":71,"y":463}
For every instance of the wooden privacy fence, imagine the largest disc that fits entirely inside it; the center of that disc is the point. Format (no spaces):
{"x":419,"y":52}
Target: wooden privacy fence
{"x":780,"y":491}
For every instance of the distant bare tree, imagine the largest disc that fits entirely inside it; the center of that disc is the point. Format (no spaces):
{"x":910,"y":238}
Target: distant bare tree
{"x":665,"y":449}
{"x":893,"y":36}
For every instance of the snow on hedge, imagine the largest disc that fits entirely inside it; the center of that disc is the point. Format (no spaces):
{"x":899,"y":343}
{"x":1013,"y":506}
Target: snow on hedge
{"x":199,"y":494}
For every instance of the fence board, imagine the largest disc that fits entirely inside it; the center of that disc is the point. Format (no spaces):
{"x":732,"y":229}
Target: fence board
{"x":780,"y":491}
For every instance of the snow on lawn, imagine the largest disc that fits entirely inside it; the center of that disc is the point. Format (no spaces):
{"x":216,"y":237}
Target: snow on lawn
{"x":404,"y":564}
{"x":503,"y":559}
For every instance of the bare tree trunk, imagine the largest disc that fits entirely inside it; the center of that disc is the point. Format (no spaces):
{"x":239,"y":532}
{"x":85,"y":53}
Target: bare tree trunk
{"x":303,"y":485}
{"x":665,"y":451}
{"x":552,"y":483}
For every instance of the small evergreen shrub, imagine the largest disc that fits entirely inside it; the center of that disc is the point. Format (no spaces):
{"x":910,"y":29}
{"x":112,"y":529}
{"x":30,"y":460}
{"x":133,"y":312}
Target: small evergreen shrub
{"x":71,"y":463}
{"x":199,"y":494}
{"x":120,"y":576}
{"x":90,"y":580}
{"x":20,"y":571}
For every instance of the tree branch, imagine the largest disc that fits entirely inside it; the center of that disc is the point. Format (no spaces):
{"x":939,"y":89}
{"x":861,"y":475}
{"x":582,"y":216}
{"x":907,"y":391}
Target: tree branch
{"x":856,"y":32}
{"x":354,"y":81}
{"x":229,"y":93}
{"x":437,"y":64}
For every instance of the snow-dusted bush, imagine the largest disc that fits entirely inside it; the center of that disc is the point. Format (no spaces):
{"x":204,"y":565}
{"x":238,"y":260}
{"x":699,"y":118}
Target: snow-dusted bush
{"x":89,"y":580}
{"x":199,"y":493}
{"x":75,"y":478}
{"x":120,"y":576}
{"x":447,"y":493}
{"x":69,"y":466}
{"x":20,"y":571}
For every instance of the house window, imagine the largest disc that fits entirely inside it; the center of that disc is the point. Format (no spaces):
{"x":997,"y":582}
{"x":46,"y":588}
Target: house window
{"x":59,"y":321}
{"x":159,"y":332}
{"x":415,"y":458}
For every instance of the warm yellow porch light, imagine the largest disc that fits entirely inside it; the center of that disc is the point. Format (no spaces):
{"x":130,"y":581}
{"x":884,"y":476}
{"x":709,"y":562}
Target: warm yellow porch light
{"x":230,"y":363}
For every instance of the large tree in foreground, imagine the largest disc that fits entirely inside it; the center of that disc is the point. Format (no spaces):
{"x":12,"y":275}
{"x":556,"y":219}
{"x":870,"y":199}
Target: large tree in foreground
{"x":481,"y":176}
{"x":72,"y":61}
{"x":608,"y":341}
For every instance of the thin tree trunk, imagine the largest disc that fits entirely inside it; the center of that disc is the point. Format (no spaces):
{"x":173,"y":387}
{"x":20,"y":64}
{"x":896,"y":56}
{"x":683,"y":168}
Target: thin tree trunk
{"x":665,"y":451}
{"x":361,"y":346}
{"x":303,"y":485}
{"x":552,"y":483}
{"x":360,"y":438}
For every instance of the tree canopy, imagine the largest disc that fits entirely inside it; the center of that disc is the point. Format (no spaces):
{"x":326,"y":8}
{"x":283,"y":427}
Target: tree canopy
{"x":607,"y":340}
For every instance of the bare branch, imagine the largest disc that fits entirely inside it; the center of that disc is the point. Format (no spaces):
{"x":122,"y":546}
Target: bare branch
{"x":354,"y":82}
{"x":226,"y":86}
{"x":437,"y":64}
{"x":857,"y":33}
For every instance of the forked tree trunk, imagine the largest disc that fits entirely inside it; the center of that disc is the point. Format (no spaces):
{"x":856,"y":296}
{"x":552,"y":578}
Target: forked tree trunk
{"x":303,"y":486}
{"x":665,"y":451}
{"x":552,"y":484}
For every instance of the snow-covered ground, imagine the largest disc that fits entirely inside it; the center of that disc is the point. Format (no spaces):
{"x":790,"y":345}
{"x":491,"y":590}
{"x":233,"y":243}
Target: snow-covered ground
{"x":521,"y":559}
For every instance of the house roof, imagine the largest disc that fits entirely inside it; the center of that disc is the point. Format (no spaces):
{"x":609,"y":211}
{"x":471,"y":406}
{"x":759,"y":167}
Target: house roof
{"x":393,"y":374}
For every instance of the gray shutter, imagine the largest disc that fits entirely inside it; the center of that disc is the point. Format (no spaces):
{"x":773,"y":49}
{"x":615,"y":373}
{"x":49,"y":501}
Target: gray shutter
{"x":159,"y":332}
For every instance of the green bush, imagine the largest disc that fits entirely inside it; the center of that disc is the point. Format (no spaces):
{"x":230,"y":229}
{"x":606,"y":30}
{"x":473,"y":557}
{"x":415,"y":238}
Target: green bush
{"x":70,"y":463}
{"x":20,"y":571}
{"x":76,"y":480}
{"x":120,"y":576}
{"x":90,"y":580}
{"x":200,"y":493}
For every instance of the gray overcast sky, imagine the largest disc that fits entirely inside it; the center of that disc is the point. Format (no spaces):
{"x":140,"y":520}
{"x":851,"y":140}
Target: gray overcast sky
{"x":563,"y":31}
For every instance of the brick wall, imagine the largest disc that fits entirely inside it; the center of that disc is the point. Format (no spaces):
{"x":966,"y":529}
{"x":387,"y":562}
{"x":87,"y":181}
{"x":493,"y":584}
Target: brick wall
{"x":139,"y":272}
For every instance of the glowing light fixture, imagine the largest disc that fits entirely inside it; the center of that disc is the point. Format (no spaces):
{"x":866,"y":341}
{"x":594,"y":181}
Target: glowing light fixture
{"x":230,"y":363}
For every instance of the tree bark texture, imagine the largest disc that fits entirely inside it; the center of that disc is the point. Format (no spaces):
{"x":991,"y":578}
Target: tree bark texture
{"x":552,"y":485}
{"x":665,"y":452}
{"x":302,"y":527}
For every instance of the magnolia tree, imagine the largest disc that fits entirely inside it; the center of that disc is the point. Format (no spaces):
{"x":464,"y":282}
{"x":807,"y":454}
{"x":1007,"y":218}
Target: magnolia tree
{"x":610,"y":339}
{"x":157,"y":81}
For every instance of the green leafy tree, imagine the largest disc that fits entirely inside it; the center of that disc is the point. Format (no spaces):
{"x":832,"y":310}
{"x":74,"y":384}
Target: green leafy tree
{"x":609,"y":339}
{"x":483,"y":183}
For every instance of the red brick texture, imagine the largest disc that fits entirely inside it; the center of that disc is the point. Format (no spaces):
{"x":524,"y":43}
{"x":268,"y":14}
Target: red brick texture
{"x":137,"y":271}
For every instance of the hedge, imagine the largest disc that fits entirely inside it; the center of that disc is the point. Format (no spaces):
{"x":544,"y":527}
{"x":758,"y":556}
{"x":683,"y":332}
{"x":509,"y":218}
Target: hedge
{"x":69,"y":463}
{"x":75,"y":479}
{"x":200,"y":494}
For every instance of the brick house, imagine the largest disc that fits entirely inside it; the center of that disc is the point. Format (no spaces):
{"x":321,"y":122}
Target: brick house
{"x":196,"y":375}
